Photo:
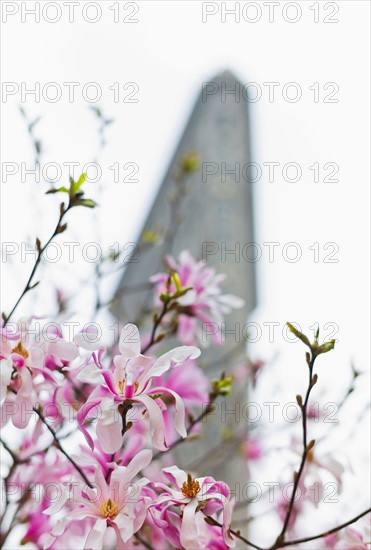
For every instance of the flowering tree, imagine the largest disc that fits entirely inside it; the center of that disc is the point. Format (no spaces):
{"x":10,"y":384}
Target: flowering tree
{"x":89,"y":429}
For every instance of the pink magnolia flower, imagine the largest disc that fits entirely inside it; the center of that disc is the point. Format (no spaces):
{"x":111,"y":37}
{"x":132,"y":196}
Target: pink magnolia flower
{"x":196,"y":495}
{"x":28,"y":363}
{"x":319,"y":466}
{"x":282,"y":509}
{"x":250,"y":370}
{"x":44,"y":347}
{"x":204,"y":302}
{"x":190,"y":382}
{"x":164,"y":534}
{"x":253,"y":450}
{"x":131,"y":383}
{"x":117,"y":503}
{"x":353,"y":537}
{"x":88,"y":458}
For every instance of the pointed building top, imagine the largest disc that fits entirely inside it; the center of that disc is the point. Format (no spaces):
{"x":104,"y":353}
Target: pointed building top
{"x":225,"y":76}
{"x":215,"y":205}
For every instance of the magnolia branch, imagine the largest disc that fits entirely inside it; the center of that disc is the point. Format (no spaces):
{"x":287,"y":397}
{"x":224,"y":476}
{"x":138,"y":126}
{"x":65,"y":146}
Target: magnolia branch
{"x":59,"y":446}
{"x":326,"y":533}
{"x":306,"y":447}
{"x":157,"y":322}
{"x":237,"y":534}
{"x":59,"y":228}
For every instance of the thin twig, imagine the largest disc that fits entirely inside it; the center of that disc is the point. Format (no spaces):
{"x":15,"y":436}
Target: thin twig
{"x":325,"y":533}
{"x":59,"y":446}
{"x":156,"y":324}
{"x":40,"y":250}
{"x":212,"y":521}
{"x":306,"y":450}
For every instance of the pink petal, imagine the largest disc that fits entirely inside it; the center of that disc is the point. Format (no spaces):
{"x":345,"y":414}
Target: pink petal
{"x":188,"y":530}
{"x":155,"y":419}
{"x":109,"y":431}
{"x":88,"y":338}
{"x":138,"y":463}
{"x":129,"y":344}
{"x":227,"y":519}
{"x":172,"y":358}
{"x":179,"y":420}
{"x":81,"y":416}
{"x":23,"y":401}
{"x":175,"y":475}
{"x":96,"y":535}
{"x":67,"y":351}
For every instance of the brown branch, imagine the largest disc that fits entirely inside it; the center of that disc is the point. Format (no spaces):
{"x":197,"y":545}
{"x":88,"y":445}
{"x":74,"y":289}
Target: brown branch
{"x":59,"y":228}
{"x":325,"y":533}
{"x":306,"y":448}
{"x":59,"y":446}
{"x":156,"y":325}
{"x":212,"y":521}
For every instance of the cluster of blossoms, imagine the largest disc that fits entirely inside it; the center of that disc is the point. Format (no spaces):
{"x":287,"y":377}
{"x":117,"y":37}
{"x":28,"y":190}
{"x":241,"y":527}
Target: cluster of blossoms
{"x":113,"y":495}
{"x":202,"y":308}
{"x":119,"y":410}
{"x":125,"y":409}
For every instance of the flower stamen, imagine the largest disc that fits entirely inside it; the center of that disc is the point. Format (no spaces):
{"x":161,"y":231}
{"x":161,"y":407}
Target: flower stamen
{"x":20,"y":350}
{"x":121,"y":386}
{"x":191,"y":487}
{"x":109,"y":509}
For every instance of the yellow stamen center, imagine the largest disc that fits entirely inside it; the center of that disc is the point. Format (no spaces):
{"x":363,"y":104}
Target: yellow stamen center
{"x":122,"y":386}
{"x":20,"y":350}
{"x":109,"y":509}
{"x":191,"y":487}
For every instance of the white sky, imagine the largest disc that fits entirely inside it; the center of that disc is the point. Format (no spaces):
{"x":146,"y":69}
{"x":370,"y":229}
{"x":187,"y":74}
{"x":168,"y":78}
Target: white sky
{"x":169,"y":53}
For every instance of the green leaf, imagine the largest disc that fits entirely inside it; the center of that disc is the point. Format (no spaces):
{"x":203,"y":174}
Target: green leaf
{"x":75,"y":185}
{"x":324,"y":348}
{"x":222,"y":387}
{"x":59,"y":190}
{"x":176,"y":280}
{"x":182,"y":292}
{"x":299,"y":335}
{"x":88,"y":203}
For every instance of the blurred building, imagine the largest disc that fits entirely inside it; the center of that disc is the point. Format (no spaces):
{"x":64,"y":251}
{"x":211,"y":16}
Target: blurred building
{"x":210,"y":213}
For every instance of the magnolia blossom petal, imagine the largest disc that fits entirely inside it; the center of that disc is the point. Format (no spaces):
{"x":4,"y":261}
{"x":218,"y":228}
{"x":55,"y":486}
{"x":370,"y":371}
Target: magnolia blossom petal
{"x":36,"y":357}
{"x":231,"y":301}
{"x":81,"y":417}
{"x":129,"y":344}
{"x":57,"y":505}
{"x":173,"y":358}
{"x":174,"y":474}
{"x":156,"y":420}
{"x":109,"y":429}
{"x":88,"y":338}
{"x":6,"y":374}
{"x":67,"y":351}
{"x":23,"y":401}
{"x":138,"y":463}
{"x":89,"y":374}
{"x":96,"y":535}
{"x":188,"y":531}
{"x":227,"y":519}
{"x":179,"y":420}
{"x":125,"y":526}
